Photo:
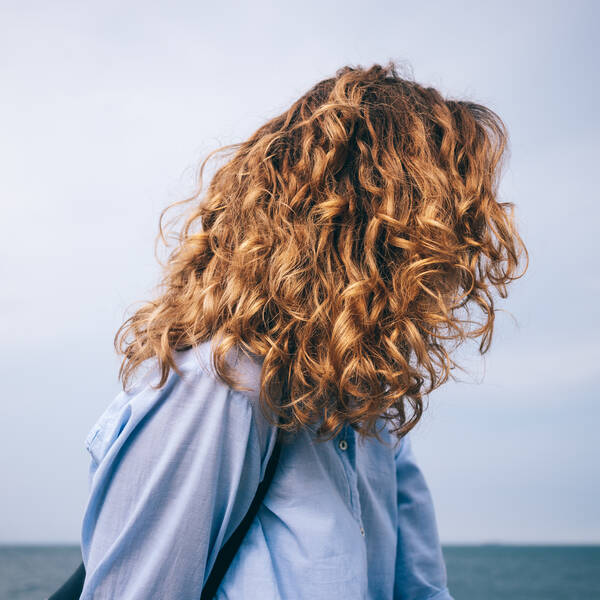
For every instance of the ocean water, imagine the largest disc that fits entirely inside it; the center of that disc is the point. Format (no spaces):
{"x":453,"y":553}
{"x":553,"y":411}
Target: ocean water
{"x":474,"y":572}
{"x":523,"y":572}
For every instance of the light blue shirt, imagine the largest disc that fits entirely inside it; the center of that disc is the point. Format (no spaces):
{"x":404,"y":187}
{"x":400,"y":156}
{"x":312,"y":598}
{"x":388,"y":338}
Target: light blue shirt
{"x":174,"y":470}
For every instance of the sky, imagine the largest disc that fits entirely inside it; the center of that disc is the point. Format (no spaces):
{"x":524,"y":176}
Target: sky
{"x":107,"y":110}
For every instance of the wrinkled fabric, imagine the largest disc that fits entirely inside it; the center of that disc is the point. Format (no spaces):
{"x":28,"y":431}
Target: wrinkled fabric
{"x":174,"y":470}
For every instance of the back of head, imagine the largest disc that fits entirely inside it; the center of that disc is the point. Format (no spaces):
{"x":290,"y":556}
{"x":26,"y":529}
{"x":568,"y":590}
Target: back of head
{"x":343,"y":244}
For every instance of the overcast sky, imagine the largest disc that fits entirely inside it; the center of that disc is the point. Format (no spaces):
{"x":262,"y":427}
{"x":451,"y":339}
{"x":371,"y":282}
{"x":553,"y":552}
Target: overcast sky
{"x":108,"y":108}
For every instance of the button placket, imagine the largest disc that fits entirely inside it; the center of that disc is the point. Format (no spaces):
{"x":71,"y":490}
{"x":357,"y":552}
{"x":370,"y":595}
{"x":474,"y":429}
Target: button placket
{"x":347,"y":446}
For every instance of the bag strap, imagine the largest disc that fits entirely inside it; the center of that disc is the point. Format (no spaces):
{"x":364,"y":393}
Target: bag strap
{"x":231,"y":546}
{"x":71,"y":589}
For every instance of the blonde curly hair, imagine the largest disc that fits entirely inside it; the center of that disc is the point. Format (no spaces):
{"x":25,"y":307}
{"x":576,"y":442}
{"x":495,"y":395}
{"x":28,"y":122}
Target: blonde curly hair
{"x":343,"y":243}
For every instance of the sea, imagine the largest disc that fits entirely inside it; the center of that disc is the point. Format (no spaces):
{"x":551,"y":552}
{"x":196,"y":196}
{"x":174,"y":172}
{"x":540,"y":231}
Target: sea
{"x":489,"y":572}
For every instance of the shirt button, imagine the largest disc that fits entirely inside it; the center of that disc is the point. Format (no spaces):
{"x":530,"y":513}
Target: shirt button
{"x":362,"y":531}
{"x":343,"y":445}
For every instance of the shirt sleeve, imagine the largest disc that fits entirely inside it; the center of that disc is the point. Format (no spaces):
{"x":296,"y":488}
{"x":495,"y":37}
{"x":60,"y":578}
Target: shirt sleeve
{"x":420,"y":567}
{"x":180,"y":474}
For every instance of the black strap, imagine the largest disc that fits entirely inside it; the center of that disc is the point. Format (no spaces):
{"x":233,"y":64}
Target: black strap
{"x":72,"y":588}
{"x":230,"y":547}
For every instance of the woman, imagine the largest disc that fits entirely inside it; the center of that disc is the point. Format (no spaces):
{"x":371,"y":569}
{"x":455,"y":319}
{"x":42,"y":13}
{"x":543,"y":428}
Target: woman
{"x":316,"y":288}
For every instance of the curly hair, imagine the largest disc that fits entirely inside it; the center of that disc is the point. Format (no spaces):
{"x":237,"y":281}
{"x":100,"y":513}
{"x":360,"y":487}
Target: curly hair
{"x":343,"y":243}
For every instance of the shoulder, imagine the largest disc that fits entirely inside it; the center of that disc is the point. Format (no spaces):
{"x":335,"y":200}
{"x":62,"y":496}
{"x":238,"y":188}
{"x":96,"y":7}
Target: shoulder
{"x":186,"y":405}
{"x":196,"y":364}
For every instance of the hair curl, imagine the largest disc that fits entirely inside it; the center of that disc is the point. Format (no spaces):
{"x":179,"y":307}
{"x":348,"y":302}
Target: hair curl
{"x":343,"y":243}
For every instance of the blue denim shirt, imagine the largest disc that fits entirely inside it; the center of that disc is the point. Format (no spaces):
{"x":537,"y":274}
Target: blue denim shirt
{"x":174,"y":470}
